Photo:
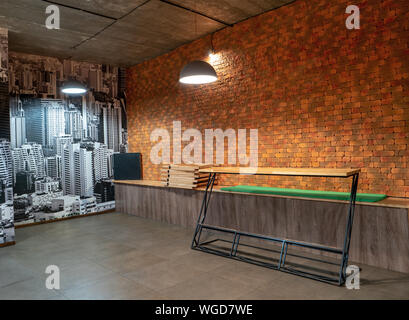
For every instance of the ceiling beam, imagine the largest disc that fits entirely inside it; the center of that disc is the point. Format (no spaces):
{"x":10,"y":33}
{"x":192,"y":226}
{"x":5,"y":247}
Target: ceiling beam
{"x":79,"y":9}
{"x":196,"y":12}
{"x":109,"y":25}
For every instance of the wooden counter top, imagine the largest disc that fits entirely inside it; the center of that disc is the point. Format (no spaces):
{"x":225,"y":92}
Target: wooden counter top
{"x":145,"y":183}
{"x":310,"y":172}
{"x":389,"y":202}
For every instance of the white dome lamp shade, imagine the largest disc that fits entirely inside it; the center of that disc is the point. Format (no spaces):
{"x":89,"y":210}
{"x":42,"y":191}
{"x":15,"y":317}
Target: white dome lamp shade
{"x":73,"y":87}
{"x":198,"y":72}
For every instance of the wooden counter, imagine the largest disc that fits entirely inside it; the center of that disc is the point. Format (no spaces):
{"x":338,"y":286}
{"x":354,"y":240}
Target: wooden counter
{"x":380,"y":235}
{"x":389,"y":202}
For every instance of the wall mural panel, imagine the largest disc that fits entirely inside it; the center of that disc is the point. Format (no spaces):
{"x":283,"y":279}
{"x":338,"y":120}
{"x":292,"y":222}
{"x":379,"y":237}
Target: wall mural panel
{"x":6,"y":166}
{"x":62,"y":146}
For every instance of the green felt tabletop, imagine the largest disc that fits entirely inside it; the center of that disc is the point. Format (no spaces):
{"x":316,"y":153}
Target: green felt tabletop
{"x":331,"y":195}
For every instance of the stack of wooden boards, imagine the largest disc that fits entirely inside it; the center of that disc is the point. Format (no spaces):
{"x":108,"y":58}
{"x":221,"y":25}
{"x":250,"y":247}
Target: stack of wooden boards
{"x":184,"y":176}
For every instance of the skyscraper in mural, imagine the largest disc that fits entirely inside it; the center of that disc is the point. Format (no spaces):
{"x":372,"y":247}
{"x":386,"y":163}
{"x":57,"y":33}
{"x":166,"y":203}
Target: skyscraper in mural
{"x":53,"y":167}
{"x":46,"y":119}
{"x":77,"y":171}
{"x":18,"y":131}
{"x":6,"y":163}
{"x":74,"y":125}
{"x":111,"y":127}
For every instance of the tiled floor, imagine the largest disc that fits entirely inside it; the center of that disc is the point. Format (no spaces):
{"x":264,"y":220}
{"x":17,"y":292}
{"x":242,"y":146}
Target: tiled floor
{"x":115,"y":256}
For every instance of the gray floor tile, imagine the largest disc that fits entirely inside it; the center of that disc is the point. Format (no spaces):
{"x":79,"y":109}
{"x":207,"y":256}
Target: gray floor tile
{"x":82,"y":274}
{"x":248,"y":274}
{"x":202,"y":261}
{"x":112,"y":288}
{"x":164,"y":275}
{"x":207,"y":286}
{"x":32,"y":289}
{"x":130,"y":261}
{"x":13,"y":272}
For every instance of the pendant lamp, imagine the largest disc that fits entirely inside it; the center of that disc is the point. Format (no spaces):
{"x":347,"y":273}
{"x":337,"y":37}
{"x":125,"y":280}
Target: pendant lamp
{"x":72,"y":87}
{"x":198,"y":72}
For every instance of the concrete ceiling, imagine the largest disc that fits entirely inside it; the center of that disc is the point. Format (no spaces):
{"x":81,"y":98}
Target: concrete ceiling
{"x":120,"y":32}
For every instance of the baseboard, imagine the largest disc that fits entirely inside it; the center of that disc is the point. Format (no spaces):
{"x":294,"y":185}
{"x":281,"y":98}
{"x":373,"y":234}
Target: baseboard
{"x":7,"y":244}
{"x":62,"y":219}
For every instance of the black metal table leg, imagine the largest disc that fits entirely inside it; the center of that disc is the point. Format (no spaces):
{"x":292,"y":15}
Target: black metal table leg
{"x":348,"y":229}
{"x":203,"y":210}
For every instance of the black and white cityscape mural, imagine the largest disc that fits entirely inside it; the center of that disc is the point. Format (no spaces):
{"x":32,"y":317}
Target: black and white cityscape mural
{"x":6,"y":165}
{"x":62,"y":147}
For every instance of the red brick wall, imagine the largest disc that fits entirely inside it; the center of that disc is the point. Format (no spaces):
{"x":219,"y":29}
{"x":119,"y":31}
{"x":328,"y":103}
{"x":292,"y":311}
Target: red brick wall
{"x":320,"y":95}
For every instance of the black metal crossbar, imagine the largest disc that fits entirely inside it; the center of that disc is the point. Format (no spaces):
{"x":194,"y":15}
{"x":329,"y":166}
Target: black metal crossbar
{"x":281,"y":265}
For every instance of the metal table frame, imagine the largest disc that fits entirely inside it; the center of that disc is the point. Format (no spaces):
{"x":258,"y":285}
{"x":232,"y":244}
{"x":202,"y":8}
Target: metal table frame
{"x":281,"y":266}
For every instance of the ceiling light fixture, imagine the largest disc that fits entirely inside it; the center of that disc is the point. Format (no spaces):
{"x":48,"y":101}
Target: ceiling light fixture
{"x":198,"y":72}
{"x":72,"y":87}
